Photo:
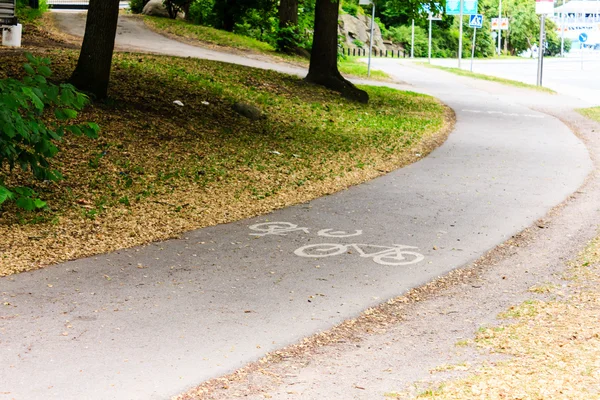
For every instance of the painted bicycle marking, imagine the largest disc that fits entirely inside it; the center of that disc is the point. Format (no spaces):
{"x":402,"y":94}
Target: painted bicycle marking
{"x":283,"y":228}
{"x":275,"y":228}
{"x":397,"y":254}
{"x":338,"y":234}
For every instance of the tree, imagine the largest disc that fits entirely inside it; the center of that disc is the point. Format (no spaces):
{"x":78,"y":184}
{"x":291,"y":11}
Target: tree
{"x":288,"y":13}
{"x":323,"y":68}
{"x":92,"y":73}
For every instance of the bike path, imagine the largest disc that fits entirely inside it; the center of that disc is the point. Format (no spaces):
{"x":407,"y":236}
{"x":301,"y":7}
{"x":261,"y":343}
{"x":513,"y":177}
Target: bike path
{"x":149,"y":322}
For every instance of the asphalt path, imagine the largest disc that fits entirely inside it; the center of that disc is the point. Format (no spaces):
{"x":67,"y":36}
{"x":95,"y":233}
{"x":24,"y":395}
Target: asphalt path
{"x":565,"y":75}
{"x":149,"y":322}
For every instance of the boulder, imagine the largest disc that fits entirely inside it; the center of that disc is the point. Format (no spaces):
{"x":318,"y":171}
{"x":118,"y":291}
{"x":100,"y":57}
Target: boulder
{"x":155,"y":8}
{"x":359,"y":28}
{"x":248,"y":111}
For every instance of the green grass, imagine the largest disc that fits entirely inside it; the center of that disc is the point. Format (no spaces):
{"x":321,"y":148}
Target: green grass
{"x":490,"y":78}
{"x":351,"y":66}
{"x":592,"y":113}
{"x":207,"y":35}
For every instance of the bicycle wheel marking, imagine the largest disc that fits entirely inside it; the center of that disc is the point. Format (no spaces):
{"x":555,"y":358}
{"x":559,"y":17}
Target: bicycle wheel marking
{"x":395,"y":255}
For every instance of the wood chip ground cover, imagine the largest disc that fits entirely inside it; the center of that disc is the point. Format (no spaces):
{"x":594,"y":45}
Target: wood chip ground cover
{"x":160,"y":169}
{"x":553,"y":347}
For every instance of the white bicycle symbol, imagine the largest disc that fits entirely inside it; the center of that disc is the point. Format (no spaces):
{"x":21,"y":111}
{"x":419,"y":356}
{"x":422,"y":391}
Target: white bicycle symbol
{"x":282,"y":228}
{"x":275,"y":228}
{"x":386,"y":255}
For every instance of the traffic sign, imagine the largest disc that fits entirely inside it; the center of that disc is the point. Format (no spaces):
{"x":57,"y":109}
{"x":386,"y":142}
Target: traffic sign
{"x":476,"y":21}
{"x":583,"y":37}
{"x":453,"y":7}
{"x":500,"y":24}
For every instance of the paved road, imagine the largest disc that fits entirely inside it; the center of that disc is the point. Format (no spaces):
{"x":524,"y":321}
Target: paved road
{"x":220,"y":297}
{"x":561,"y":74}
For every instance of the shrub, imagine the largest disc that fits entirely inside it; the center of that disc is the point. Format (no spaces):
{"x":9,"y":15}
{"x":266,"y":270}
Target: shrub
{"x":28,"y":134}
{"x":136,"y":6}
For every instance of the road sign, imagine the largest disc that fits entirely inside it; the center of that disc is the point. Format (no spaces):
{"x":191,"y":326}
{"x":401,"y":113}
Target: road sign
{"x":583,"y":37}
{"x":476,"y":21}
{"x":436,"y":14}
{"x":453,"y":7}
{"x":499,"y":24}
{"x":544,"y":6}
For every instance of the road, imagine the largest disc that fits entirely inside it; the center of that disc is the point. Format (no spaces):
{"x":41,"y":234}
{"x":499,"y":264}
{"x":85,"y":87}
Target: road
{"x":220,"y":297}
{"x":565,"y":75}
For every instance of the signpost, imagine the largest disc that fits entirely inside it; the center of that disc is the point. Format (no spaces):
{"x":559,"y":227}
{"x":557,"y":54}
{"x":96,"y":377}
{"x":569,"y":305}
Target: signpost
{"x":367,"y":2}
{"x":475,"y":21}
{"x":431,"y":17}
{"x":583,"y":37}
{"x":460,"y":8}
{"x":542,"y":7}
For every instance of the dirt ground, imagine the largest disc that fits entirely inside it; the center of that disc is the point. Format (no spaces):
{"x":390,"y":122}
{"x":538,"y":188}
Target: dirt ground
{"x":406,"y":347}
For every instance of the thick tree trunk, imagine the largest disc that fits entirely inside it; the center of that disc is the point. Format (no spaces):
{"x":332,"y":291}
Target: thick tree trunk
{"x":92,"y":73}
{"x":323,"y":68}
{"x":288,"y":13}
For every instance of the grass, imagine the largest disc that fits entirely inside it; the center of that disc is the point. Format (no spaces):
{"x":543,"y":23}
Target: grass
{"x":160,"y":169}
{"x":490,"y":78}
{"x":28,"y":15}
{"x":554,"y":346}
{"x":351,"y":66}
{"x":207,"y":35}
{"x":215,"y":37}
{"x":592,"y":113}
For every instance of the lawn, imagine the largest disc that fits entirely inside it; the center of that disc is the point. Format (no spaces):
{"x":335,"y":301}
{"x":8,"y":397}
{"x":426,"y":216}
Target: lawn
{"x":592,"y":113}
{"x":160,"y":169}
{"x":490,"y":78}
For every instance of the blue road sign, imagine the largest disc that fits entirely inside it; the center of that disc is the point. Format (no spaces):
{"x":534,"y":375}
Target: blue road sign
{"x":453,"y":7}
{"x":583,"y":37}
{"x":476,"y":21}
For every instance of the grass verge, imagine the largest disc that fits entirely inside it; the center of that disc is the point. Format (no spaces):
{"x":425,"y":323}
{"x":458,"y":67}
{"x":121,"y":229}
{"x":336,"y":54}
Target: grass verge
{"x":510,"y":82}
{"x":160,"y":169}
{"x":207,"y":35}
{"x":203,"y":35}
{"x":591,"y":113}
{"x":554,"y":346}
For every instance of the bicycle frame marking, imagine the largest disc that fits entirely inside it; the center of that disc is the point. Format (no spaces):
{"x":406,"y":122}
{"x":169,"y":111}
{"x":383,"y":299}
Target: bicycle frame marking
{"x":283,"y":228}
{"x":397,"y":254}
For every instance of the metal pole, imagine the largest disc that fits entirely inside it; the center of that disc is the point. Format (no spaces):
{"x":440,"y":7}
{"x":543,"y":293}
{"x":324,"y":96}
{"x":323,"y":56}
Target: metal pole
{"x":562,"y":34}
{"x":460,"y":30}
{"x":499,"y":28}
{"x":541,"y":51}
{"x":582,"y":47}
{"x":412,"y":40}
{"x":371,"y":41}
{"x":429,"y":51}
{"x":473,"y":48}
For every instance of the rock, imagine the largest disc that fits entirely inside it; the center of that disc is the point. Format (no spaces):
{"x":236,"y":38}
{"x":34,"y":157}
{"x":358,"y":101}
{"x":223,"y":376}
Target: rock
{"x":248,"y":111}
{"x":156,"y":8}
{"x":359,"y":28}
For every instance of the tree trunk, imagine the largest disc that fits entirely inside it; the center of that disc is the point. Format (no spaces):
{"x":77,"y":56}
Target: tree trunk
{"x":92,"y":73}
{"x":288,"y":13}
{"x":228,"y":15}
{"x":323,"y":68}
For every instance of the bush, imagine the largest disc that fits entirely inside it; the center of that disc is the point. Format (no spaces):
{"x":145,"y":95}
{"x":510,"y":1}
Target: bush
{"x":201,"y":12}
{"x":136,"y":6}
{"x":27,"y":139}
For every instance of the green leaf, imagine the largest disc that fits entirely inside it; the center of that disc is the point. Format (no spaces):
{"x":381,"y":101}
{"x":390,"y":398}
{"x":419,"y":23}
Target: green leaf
{"x":70,"y":113}
{"x":26,"y":203}
{"x":29,"y":69}
{"x":5,"y":194}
